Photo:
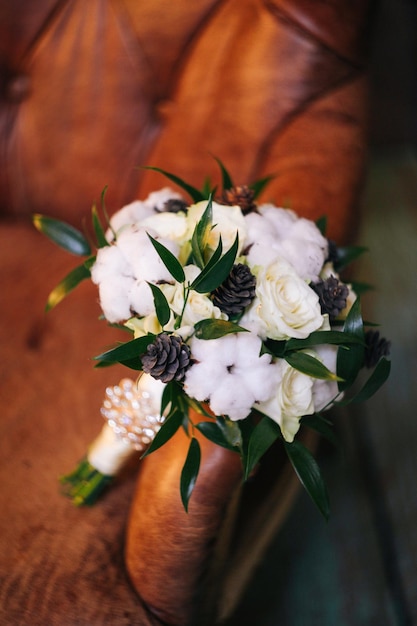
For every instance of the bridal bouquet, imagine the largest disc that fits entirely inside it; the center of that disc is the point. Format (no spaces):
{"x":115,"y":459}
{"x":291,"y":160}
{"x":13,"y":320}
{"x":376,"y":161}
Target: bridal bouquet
{"x":236,"y":310}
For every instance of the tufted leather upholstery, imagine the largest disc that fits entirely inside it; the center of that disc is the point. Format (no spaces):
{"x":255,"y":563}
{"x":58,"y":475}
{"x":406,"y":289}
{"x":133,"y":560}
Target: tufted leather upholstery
{"x":89,"y":92}
{"x":92,"y":90}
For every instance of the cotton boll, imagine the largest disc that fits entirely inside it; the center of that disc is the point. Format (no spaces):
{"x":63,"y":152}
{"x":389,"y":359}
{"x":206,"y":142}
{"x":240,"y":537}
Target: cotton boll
{"x":279,"y":220}
{"x":114,"y":300}
{"x":130,"y":214}
{"x":262,"y":253}
{"x":201,"y":379}
{"x":247,"y":348}
{"x":231,"y":398}
{"x":109,"y":262}
{"x":145,"y":262}
{"x":306,"y":257}
{"x":230,"y":373}
{"x":214,"y":351}
{"x":261,"y":380}
{"x":259,"y":230}
{"x":157,"y":199}
{"x":141,"y":298}
{"x":315,"y":247}
{"x":308,"y":231}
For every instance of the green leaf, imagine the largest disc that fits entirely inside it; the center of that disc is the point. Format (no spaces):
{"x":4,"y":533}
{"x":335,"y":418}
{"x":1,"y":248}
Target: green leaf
{"x":321,"y":425}
{"x":167,"y":430}
{"x":163,"y":312}
{"x":67,"y":284}
{"x":259,"y":185}
{"x":98,"y":229}
{"x":346,"y":255}
{"x":321,"y":224}
{"x":227,"y":182}
{"x":126,"y":351}
{"x":274,"y":347}
{"x":218,"y":434}
{"x":265,"y":433}
{"x":214,"y":433}
{"x":374,"y":382}
{"x":211,"y":263}
{"x":169,"y":395}
{"x":323,"y":337}
{"x":172,"y":264}
{"x":190,"y":472}
{"x":201,"y":234}
{"x":194,"y":193}
{"x":207,"y":190}
{"x":217,"y":272}
{"x":62,"y":234}
{"x":231,"y":431}
{"x":214,"y":329}
{"x":309,"y":475}
{"x":350,"y":361}
{"x":309,"y":365}
{"x":104,"y":210}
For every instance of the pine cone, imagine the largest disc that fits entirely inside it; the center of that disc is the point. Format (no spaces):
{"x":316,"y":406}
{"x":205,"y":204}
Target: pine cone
{"x":167,"y":358}
{"x":332,"y":295}
{"x":376,"y":347}
{"x":241,"y":196}
{"x":236,"y":292}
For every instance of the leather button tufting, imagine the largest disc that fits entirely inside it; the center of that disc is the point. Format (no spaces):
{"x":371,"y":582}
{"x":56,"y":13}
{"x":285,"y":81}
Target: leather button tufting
{"x":18,"y":88}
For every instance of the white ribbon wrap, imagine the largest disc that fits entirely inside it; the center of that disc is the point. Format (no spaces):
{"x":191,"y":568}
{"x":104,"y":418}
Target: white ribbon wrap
{"x":108,"y":452}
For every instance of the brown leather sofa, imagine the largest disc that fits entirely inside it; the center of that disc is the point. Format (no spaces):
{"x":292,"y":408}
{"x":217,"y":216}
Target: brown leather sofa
{"x":89,"y":92}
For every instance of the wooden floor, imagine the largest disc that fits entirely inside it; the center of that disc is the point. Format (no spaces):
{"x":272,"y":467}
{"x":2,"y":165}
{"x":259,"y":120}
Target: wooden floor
{"x":360,"y":569}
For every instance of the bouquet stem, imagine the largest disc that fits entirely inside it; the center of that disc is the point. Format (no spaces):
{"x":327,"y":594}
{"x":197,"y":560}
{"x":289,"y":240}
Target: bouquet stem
{"x":105,"y":458}
{"x":85,"y":484}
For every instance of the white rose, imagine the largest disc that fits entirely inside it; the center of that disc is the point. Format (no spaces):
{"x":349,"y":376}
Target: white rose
{"x":171,"y":226}
{"x":227,"y":221}
{"x":293,"y":398}
{"x":144,"y":325}
{"x":287,"y":305}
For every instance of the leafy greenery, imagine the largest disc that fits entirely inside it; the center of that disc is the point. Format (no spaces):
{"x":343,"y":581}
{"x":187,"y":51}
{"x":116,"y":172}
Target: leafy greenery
{"x":350,"y":361}
{"x":309,"y":365}
{"x":265,"y":433}
{"x":170,"y":261}
{"x":193,"y":192}
{"x":69,"y":283}
{"x":162,"y":308}
{"x":309,"y":475}
{"x":62,"y":234}
{"x":190,"y":472}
